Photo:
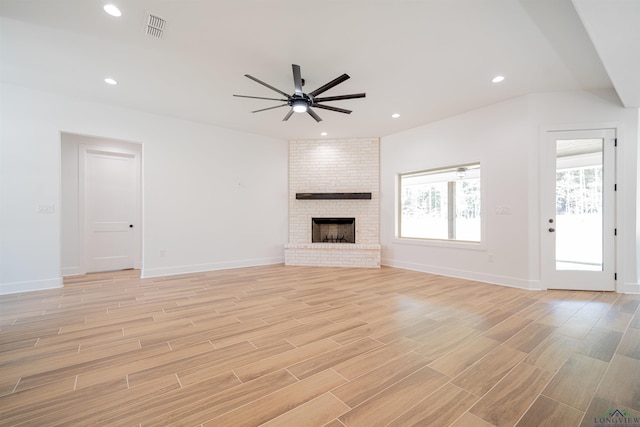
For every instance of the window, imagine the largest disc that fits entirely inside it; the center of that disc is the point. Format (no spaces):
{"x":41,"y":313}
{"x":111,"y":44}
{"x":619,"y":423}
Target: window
{"x":441,"y":204}
{"x":579,"y":197}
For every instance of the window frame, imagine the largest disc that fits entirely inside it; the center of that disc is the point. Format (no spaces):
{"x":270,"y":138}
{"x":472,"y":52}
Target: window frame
{"x":451,"y":243}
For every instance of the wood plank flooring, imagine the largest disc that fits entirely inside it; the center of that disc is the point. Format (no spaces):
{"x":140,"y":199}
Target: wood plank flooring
{"x":306,"y":346}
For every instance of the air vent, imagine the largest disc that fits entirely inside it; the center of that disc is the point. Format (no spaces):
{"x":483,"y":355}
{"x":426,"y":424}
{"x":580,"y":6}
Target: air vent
{"x":155,"y":26}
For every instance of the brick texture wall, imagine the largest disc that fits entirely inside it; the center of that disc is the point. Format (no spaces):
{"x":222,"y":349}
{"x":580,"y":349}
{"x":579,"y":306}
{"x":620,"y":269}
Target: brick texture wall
{"x":334,"y":166}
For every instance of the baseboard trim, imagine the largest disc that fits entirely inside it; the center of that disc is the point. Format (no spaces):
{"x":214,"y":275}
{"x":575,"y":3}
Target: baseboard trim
{"x":199,"y":268}
{"x":30,"y":286}
{"x":492,"y":279}
{"x":72,"y":271}
{"x":628,"y":288}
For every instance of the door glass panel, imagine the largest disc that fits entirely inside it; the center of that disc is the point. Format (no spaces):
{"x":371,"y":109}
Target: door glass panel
{"x":579,"y":201}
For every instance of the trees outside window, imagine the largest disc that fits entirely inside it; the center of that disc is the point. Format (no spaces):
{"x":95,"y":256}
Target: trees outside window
{"x":441,"y":204}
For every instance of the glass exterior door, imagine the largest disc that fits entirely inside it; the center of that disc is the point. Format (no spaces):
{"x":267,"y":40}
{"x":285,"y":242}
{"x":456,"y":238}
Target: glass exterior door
{"x":578,"y":202}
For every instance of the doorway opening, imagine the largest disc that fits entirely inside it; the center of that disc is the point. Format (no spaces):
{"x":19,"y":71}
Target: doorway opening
{"x":101,"y":205}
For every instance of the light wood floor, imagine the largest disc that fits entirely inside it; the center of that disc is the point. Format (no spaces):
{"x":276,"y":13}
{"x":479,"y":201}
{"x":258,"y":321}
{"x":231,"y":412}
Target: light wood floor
{"x":304,"y":346}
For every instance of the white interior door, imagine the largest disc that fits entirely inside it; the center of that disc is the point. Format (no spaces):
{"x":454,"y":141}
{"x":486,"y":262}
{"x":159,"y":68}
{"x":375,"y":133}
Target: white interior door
{"x":578,"y":204}
{"x":111,"y":209}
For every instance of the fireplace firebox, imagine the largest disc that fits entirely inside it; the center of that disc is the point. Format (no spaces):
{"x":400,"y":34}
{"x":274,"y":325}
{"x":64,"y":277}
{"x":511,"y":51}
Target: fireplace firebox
{"x":333,"y":230}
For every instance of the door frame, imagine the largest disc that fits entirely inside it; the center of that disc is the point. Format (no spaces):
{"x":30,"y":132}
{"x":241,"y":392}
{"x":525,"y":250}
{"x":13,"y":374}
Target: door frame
{"x":83,"y":151}
{"x":542,"y":232}
{"x":72,"y":196}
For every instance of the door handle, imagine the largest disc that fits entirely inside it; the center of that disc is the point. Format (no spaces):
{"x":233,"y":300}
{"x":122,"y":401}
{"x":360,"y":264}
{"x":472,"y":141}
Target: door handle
{"x":551,"y":230}
{"x":130,"y":225}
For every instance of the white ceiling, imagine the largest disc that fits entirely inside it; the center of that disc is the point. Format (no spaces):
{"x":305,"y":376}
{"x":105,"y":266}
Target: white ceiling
{"x":424,"y":59}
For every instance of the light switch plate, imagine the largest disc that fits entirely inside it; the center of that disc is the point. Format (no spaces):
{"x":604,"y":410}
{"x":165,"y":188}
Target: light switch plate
{"x":46,"y":209}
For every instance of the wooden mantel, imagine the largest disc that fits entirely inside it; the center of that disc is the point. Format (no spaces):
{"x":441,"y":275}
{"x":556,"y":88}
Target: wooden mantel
{"x":333,"y":196}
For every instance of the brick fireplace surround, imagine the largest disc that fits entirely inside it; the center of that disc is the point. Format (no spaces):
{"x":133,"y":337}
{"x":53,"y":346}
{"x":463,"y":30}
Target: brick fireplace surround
{"x":334,"y":166}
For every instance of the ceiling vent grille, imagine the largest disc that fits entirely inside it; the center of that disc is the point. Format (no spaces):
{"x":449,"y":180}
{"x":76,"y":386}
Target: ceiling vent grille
{"x":155,"y":26}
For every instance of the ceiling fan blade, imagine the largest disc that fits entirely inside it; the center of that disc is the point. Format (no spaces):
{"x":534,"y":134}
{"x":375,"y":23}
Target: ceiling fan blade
{"x":339,"y":97}
{"x":266,"y":85}
{"x":288,"y":115}
{"x":259,"y":97}
{"x":269,"y":108}
{"x":314,"y":115}
{"x":328,"y":107}
{"x":329,"y":85}
{"x":297,"y":79}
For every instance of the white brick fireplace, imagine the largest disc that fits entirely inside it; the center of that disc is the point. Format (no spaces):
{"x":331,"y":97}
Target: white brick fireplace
{"x":330,"y":177}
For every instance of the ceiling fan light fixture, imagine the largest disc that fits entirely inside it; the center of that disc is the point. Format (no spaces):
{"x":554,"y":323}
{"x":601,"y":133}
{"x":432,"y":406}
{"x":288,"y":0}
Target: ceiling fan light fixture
{"x":299,"y":106}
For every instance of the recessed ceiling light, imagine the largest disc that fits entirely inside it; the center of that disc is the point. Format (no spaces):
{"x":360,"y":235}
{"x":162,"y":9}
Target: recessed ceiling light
{"x":323,"y":134}
{"x":112,"y":10}
{"x":497,"y":79}
{"x":110,"y":81}
{"x":395,"y":115}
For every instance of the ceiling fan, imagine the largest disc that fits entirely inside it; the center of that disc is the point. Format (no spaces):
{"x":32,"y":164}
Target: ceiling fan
{"x":301,"y":102}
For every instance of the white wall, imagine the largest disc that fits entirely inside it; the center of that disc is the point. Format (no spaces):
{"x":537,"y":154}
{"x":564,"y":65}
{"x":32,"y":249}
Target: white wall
{"x":497,"y":137}
{"x":505,"y":138}
{"x":212,"y":197}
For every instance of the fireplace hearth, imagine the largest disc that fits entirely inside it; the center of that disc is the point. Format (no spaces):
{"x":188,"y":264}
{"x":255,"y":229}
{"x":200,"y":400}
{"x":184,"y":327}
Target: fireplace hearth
{"x":333,"y":230}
